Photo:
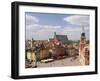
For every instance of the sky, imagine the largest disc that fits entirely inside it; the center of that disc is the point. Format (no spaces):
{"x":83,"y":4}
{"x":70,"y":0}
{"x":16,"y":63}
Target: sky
{"x":41,"y":26}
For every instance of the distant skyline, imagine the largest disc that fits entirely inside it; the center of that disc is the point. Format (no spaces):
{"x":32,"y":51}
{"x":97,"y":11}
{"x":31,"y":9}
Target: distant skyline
{"x":41,"y":26}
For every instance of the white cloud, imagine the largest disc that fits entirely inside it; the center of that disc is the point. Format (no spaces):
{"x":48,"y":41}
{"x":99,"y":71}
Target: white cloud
{"x":30,"y":20}
{"x":33,"y":27}
{"x":40,"y":32}
{"x":36,"y":30}
{"x":43,"y":32}
{"x":75,"y":29}
{"x":78,"y":19}
{"x":51,"y":26}
{"x":74,"y":33}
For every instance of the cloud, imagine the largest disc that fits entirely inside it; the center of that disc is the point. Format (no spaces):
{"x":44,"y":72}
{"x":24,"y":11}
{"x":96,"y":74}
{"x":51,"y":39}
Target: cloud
{"x":33,"y":27}
{"x":38,"y":31}
{"x":78,"y":19}
{"x":74,"y":29}
{"x":41,"y":32}
{"x":42,"y":27}
{"x":44,"y":32}
{"x":74,"y":33}
{"x":51,"y":26}
{"x":31,"y":19}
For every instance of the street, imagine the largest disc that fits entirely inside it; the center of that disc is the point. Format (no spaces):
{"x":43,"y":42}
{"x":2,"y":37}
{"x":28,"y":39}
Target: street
{"x":71,"y":61}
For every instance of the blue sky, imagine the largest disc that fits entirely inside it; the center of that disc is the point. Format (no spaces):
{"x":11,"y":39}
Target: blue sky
{"x":41,"y":26}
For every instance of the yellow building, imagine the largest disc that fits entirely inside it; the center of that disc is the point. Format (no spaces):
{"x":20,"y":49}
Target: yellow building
{"x":31,"y":57}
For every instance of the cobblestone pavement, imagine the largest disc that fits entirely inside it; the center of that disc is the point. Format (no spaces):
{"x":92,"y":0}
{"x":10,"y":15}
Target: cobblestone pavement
{"x":71,"y":61}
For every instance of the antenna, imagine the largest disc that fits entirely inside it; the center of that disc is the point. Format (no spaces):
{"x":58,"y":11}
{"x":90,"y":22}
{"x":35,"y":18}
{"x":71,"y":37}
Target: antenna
{"x":55,"y":33}
{"x":82,"y":28}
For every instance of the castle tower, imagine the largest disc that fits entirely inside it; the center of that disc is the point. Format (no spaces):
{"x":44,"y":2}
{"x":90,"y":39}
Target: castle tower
{"x":81,"y":47}
{"x":82,"y":41}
